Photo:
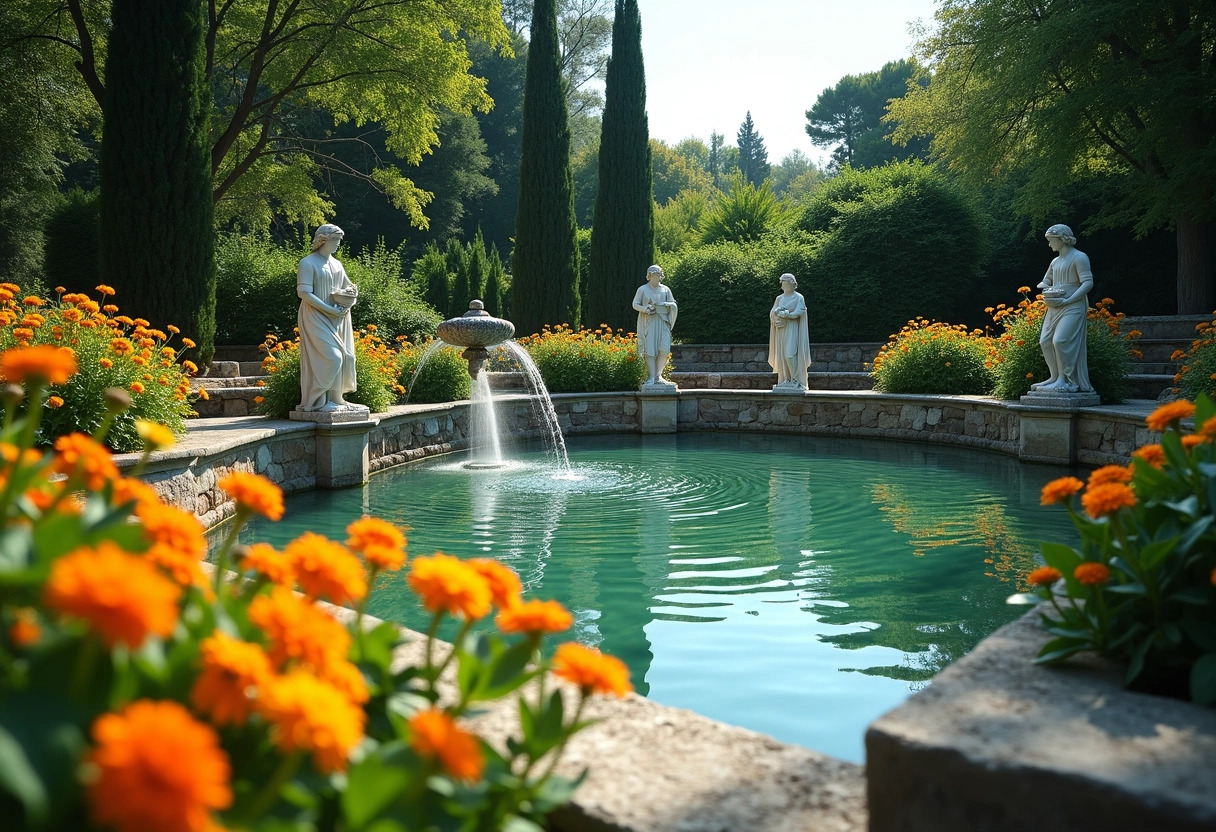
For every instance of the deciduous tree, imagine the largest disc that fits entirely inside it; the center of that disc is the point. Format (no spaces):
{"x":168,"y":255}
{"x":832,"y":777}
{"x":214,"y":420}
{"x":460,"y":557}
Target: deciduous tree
{"x":1114,"y":90}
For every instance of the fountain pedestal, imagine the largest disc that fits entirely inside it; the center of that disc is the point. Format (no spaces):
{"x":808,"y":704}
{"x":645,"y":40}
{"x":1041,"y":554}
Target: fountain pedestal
{"x":1048,"y":425}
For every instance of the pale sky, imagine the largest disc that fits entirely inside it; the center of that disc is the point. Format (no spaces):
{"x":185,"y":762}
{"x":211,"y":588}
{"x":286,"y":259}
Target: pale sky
{"x":708,"y":62}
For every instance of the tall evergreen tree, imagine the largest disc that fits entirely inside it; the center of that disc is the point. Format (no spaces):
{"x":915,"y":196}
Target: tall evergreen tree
{"x":622,"y":236}
{"x":431,"y":273}
{"x":544,"y":271}
{"x":458,"y":266}
{"x":494,"y":284}
{"x":156,"y":212}
{"x":714,"y":166}
{"x":479,"y":266}
{"x":753,"y":158}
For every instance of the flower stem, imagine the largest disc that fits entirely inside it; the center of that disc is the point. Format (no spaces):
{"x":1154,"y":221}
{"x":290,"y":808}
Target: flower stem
{"x":270,"y":792}
{"x":225,"y":551}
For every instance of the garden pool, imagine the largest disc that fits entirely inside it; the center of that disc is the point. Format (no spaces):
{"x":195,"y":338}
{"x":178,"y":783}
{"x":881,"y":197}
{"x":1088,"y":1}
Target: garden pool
{"x":797,"y":586}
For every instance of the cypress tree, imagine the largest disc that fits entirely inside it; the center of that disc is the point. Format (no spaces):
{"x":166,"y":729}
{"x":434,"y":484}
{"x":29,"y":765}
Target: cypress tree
{"x":494,"y":285}
{"x":431,"y":271}
{"x":753,"y":158}
{"x":544,"y":271}
{"x":478,"y":266}
{"x":156,"y":245}
{"x":458,"y":266}
{"x":622,"y":236}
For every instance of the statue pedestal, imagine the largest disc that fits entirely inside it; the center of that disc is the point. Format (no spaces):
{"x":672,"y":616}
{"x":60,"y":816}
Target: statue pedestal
{"x":658,"y":407}
{"x":1048,"y":431}
{"x":342,"y":456}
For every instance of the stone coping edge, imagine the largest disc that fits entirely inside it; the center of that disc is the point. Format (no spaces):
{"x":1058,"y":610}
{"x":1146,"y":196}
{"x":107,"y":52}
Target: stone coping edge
{"x":998,"y":743}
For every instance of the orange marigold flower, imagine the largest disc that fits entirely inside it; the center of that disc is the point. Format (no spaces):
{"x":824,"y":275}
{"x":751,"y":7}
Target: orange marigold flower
{"x":157,"y":769}
{"x":1092,"y":574}
{"x":203,"y":394}
{"x":591,"y":670}
{"x":174,"y":527}
{"x":505,"y":587}
{"x":381,"y":543}
{"x":105,"y":290}
{"x":137,"y":387}
{"x":1192,"y":439}
{"x":1169,"y":413}
{"x":435,"y":735}
{"x":447,"y":584}
{"x":1109,"y":473}
{"x":44,"y":362}
{"x":1107,"y":498}
{"x":534,"y":616}
{"x":297,"y":629}
{"x":270,"y":562}
{"x":34,"y":300}
{"x":79,"y":454}
{"x":54,"y":401}
{"x":187,"y":343}
{"x":230,"y":668}
{"x":154,"y":434}
{"x":254,"y":493}
{"x":24,"y":631}
{"x":1044,"y":576}
{"x":1208,"y":429}
{"x":120,"y":346}
{"x":1154,"y":455}
{"x":325,"y":569}
{"x":128,"y":490}
{"x":310,"y":714}
{"x":105,"y":362}
{"x":121,"y":596}
{"x":184,"y":568}
{"x":1059,"y":490}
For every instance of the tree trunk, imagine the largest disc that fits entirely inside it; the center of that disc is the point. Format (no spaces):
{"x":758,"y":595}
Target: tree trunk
{"x":1196,"y":282}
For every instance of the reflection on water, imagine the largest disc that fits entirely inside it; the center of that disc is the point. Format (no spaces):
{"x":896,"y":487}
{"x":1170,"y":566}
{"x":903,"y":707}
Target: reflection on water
{"x":794,"y":585}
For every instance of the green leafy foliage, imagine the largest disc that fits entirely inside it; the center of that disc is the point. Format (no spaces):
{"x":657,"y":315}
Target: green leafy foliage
{"x":444,"y":376}
{"x":1198,"y":373}
{"x":1140,"y":586}
{"x":892,"y":243}
{"x":257,"y":291}
{"x":586,"y":361}
{"x":934,"y":357}
{"x":725,"y":291}
{"x":745,"y":213}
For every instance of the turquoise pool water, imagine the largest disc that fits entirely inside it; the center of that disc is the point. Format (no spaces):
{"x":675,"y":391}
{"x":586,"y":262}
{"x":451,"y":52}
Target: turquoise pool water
{"x":796,"y":586}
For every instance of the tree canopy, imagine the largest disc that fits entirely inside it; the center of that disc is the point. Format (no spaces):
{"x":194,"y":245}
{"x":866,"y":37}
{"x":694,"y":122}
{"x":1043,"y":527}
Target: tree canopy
{"x":847,"y":118}
{"x":753,"y":158}
{"x":1048,"y":94}
{"x":277,"y":70}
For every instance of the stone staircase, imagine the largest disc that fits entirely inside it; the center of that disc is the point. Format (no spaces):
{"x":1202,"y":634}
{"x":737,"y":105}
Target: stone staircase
{"x":231,"y":382}
{"x":745,"y":366}
{"x":1160,"y":337}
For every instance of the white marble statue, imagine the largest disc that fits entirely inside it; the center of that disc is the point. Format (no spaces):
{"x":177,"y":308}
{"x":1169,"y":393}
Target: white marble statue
{"x":1066,"y":292}
{"x":789,"y":342}
{"x":327,"y":339}
{"x":656,"y":308}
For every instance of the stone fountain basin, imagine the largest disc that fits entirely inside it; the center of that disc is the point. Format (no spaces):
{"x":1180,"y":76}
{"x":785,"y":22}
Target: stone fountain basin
{"x":475,"y":331}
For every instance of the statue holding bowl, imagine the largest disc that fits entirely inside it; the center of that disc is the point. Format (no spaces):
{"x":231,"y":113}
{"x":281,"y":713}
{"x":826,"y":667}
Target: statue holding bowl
{"x":1066,"y":292}
{"x":327,"y":339}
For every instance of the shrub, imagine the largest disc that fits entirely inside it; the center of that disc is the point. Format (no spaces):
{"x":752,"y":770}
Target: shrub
{"x":138,"y":693}
{"x":1141,"y":586}
{"x":586,"y":361}
{"x":891,"y":243}
{"x":375,"y":375}
{"x":256,"y":291}
{"x":1018,"y":360}
{"x":444,"y":376}
{"x":934,"y":357}
{"x":70,"y":243}
{"x":725,"y":291}
{"x":112,"y":351}
{"x":1198,"y":372}
{"x":743,"y":214}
